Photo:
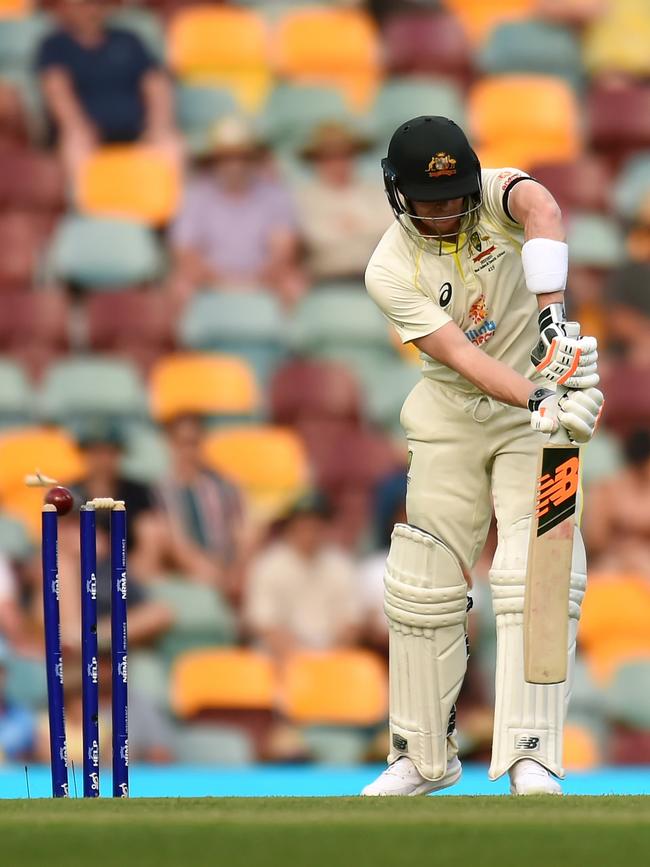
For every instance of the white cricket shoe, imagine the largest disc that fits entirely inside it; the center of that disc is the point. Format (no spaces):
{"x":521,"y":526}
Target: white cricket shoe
{"x":403,"y":778}
{"x":528,"y":777}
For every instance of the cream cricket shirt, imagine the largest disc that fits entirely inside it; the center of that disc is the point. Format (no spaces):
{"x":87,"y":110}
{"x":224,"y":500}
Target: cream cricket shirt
{"x":481,"y":288}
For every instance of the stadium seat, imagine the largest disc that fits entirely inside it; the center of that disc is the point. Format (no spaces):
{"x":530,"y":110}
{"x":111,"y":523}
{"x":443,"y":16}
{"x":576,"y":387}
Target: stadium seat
{"x":131,"y":182}
{"x":580,"y":749}
{"x":16,"y":398}
{"x":225,"y":47}
{"x":198,"y":108}
{"x":618,"y":39}
{"x":346,"y":687}
{"x":534,"y":47}
{"x":220,"y":386}
{"x":202,"y":618}
{"x":269,"y":463}
{"x":627,"y":696}
{"x":22,"y":238}
{"x":333,"y":317}
{"x":479,"y":18}
{"x":89,"y":387}
{"x":619,"y":118}
{"x":330,"y":46}
{"x":136,"y":324}
{"x":15,"y":543}
{"x":149,"y":676}
{"x":582,"y":185}
{"x":317,"y":390}
{"x":386,"y":390}
{"x":31,"y":180}
{"x":26,"y":682}
{"x":595,"y":241}
{"x":83,"y":252}
{"x":222,"y":679}
{"x":250,"y":325}
{"x":24,"y":451}
{"x":294,"y":110}
{"x":336,"y":746}
{"x":19,"y":38}
{"x":426,"y":43}
{"x":518,"y":120}
{"x":632,"y":185}
{"x":226,"y":746}
{"x":614,"y":623}
{"x":147,"y":456}
{"x":402,"y":98}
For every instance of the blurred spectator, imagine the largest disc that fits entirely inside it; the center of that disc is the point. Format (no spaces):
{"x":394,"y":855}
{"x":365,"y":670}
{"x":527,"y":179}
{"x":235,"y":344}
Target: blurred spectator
{"x":102,"y":445}
{"x":617,"y":514}
{"x":204,"y":511}
{"x":236,"y":228}
{"x":302,"y":591}
{"x":17,"y":723}
{"x":10,"y":614}
{"x":576,"y":12}
{"x":13,"y":120}
{"x":342,"y":216}
{"x":101,"y":84}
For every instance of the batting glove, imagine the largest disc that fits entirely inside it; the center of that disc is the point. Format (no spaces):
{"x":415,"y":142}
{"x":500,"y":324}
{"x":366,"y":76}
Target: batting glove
{"x":561,"y":355}
{"x":576,"y":411}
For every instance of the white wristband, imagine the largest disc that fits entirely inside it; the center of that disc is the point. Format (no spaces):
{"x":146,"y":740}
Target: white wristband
{"x":545,"y":264}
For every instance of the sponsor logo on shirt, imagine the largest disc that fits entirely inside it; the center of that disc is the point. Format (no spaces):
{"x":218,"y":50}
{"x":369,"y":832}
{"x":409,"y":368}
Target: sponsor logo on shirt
{"x":485,"y":327}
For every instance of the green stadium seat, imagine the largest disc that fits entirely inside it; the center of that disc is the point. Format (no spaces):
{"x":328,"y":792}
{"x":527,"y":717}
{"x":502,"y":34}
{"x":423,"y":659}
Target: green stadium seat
{"x":103,"y":253}
{"x":386,"y":388}
{"x":202,"y":618}
{"x":402,"y":98}
{"x":602,"y":458}
{"x":250,"y":325}
{"x":146,"y":457}
{"x":293,"y":110}
{"x":338,"y":316}
{"x":92,"y":386}
{"x":632,"y":186}
{"x":15,"y":543}
{"x":198,"y":107}
{"x":149,"y":677}
{"x":19,"y":40}
{"x":16,"y":397}
{"x":144,"y":24}
{"x":595,"y":241}
{"x":336,"y":746}
{"x":26,"y":682}
{"x":532,"y":46}
{"x":213,"y":745}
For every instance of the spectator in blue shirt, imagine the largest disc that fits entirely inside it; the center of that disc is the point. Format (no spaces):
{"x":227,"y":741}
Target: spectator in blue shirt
{"x":101,"y":84}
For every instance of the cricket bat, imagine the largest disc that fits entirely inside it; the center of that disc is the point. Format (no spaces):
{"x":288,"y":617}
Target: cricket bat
{"x":550,"y":551}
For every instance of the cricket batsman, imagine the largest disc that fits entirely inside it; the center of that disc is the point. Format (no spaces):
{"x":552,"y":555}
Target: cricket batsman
{"x":473,"y":272}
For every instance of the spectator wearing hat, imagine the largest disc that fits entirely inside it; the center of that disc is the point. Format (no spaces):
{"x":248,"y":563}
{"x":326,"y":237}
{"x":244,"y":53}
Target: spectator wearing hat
{"x":102,"y":85}
{"x":237,"y":227}
{"x":302,"y":591}
{"x":342,"y":216}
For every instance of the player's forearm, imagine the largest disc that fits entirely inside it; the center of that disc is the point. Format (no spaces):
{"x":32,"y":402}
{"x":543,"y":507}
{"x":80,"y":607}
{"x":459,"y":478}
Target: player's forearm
{"x":451,"y":347}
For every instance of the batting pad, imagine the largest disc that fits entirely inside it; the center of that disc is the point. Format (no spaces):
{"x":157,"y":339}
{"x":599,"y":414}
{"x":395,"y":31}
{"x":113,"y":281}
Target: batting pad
{"x":528,"y":717}
{"x":426,"y":604}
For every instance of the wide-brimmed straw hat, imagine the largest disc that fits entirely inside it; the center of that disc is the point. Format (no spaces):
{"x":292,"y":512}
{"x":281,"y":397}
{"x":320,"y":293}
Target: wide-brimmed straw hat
{"x":334,"y":136}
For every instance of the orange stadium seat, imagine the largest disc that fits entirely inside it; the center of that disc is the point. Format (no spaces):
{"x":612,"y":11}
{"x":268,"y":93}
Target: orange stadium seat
{"x":129,"y":181}
{"x":478,"y":17}
{"x":15,"y":8}
{"x":222,"y":46}
{"x":345,"y":687}
{"x":222,"y":680}
{"x":24,"y":451}
{"x":614,"y":623}
{"x":517,"y":120}
{"x":580,"y":749}
{"x":205,"y":384}
{"x":269,"y":463}
{"x":333,"y":47}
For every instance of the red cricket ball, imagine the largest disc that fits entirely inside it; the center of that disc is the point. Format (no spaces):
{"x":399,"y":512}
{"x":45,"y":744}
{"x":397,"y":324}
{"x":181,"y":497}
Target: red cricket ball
{"x":61,"y":498}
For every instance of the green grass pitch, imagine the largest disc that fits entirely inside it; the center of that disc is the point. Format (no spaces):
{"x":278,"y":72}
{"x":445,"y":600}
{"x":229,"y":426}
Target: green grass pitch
{"x":242,"y":832}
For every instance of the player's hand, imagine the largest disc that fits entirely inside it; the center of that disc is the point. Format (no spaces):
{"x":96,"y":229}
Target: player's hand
{"x":576,"y":411}
{"x":561,"y":355}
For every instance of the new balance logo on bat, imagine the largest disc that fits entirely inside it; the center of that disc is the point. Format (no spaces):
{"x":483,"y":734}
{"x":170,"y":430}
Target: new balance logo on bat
{"x":557,"y":487}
